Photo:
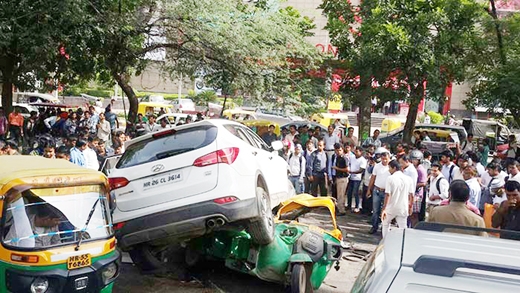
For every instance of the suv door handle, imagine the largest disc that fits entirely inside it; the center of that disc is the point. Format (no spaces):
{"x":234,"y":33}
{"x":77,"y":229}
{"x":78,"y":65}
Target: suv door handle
{"x":254,"y":153}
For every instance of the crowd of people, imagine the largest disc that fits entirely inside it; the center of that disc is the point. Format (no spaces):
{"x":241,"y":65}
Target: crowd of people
{"x":402,"y":184}
{"x":85,"y":136}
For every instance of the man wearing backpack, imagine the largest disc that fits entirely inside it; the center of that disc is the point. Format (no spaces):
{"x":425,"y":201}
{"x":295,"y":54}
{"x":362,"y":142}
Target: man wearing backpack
{"x":296,"y":168}
{"x":439,"y":187}
{"x":449,"y":169}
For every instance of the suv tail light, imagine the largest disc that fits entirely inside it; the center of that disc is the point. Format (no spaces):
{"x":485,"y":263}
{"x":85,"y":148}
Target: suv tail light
{"x":117,"y":182}
{"x":224,"y":156}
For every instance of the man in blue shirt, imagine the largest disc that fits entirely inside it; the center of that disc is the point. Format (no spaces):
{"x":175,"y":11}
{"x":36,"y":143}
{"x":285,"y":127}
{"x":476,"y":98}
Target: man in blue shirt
{"x":317,"y":170}
{"x":111,"y":117}
{"x":76,"y":153}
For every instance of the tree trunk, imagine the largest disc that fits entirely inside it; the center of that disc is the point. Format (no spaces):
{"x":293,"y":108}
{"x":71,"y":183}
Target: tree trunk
{"x":7,"y":86}
{"x":122,"y":81}
{"x":365,"y":111}
{"x":498,"y":30}
{"x":7,"y":96}
{"x":416,"y":95}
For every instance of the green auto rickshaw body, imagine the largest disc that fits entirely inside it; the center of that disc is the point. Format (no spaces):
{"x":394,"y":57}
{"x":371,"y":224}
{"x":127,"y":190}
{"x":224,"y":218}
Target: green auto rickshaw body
{"x":294,"y":243}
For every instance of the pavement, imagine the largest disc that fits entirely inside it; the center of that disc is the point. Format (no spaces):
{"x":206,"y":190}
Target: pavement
{"x":214,"y":277}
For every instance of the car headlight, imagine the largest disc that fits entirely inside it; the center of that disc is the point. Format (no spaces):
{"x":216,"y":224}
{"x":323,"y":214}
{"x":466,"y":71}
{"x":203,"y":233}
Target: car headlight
{"x":109,"y":272}
{"x":39,"y":285}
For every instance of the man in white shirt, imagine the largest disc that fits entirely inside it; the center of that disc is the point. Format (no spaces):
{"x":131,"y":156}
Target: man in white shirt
{"x":330,"y":140}
{"x":377,"y":185}
{"x":462,"y":163}
{"x":91,"y":160}
{"x":449,"y":169}
{"x":358,"y":164}
{"x":292,"y":133}
{"x":475,"y":190}
{"x":439,"y":188}
{"x":493,"y":183}
{"x":512,"y":169}
{"x":476,"y":158}
{"x":427,"y":119}
{"x":398,"y":198}
{"x":296,"y":168}
{"x":467,"y":145}
{"x":151,"y":126}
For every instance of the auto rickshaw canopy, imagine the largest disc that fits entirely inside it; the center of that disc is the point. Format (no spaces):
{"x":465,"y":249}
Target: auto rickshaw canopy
{"x":303,"y":201}
{"x":390,"y":124}
{"x":262,"y":126}
{"x":39,"y":172}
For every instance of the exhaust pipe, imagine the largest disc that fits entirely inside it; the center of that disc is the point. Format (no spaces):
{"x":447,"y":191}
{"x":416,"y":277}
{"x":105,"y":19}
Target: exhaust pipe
{"x":211,"y":223}
{"x":220,"y":222}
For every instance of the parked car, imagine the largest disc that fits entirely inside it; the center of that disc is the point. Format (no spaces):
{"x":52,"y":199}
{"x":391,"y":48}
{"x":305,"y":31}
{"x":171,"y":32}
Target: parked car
{"x":31,"y":98}
{"x":183,"y":106}
{"x":172,"y":119}
{"x":25,"y":109}
{"x":186,"y":181}
{"x":417,"y":260}
{"x":395,"y":136}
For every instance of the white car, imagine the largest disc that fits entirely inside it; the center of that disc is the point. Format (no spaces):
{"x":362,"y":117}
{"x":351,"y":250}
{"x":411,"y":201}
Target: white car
{"x":186,"y":181}
{"x":183,"y":105}
{"x":415,"y":260}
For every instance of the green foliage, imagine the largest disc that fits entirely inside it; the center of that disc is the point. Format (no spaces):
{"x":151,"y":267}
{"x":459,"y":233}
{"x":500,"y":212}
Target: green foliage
{"x":496,"y":80}
{"x":30,"y":34}
{"x":400,"y":44}
{"x":435,"y":117}
{"x":203,"y":98}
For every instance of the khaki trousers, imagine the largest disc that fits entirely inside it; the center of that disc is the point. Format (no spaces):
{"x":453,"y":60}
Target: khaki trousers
{"x":341,"y":189}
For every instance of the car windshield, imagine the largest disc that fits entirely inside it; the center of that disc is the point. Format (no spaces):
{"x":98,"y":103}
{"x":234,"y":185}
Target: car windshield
{"x":164,"y":146}
{"x":49,"y":217}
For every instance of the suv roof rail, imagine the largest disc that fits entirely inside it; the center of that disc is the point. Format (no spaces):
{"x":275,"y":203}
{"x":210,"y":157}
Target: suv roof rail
{"x":439,"y":227}
{"x":446,"y":267}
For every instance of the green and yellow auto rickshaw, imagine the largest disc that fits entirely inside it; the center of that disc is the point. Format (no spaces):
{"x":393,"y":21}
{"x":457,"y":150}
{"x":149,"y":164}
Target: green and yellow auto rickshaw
{"x":300,"y":256}
{"x":56,"y":227}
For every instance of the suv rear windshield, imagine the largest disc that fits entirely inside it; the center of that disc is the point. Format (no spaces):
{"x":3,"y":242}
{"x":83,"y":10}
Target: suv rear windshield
{"x":157,"y":148}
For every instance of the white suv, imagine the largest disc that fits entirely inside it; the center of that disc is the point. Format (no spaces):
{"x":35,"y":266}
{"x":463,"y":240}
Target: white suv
{"x":188,"y":180}
{"x":415,"y":260}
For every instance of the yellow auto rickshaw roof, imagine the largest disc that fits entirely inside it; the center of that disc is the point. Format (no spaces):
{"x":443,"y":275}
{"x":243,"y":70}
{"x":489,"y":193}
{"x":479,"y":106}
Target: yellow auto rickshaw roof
{"x":36,"y":170}
{"x":238,"y":111}
{"x":259,"y":122}
{"x":155,"y":105}
{"x":307,"y":200}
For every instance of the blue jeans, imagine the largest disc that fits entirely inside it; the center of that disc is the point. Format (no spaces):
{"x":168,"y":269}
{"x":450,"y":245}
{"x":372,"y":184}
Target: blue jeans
{"x":353,"y":190}
{"x":298,"y":186}
{"x":378,"y":199}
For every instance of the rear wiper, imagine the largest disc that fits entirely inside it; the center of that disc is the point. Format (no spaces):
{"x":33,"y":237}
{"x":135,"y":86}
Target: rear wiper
{"x":167,"y":154}
{"x":86,"y":224}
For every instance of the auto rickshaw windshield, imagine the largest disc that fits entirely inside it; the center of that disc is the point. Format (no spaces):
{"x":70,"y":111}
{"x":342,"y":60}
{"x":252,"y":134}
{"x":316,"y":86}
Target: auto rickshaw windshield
{"x":49,"y":217}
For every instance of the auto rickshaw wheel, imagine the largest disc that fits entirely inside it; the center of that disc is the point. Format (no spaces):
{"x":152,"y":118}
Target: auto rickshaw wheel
{"x":149,"y":258}
{"x":192,"y":257}
{"x":300,"y":280}
{"x":262,"y":228}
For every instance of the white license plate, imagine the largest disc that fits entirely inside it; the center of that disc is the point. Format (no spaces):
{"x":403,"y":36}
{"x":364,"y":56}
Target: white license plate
{"x":162,"y":179}
{"x":81,"y":283}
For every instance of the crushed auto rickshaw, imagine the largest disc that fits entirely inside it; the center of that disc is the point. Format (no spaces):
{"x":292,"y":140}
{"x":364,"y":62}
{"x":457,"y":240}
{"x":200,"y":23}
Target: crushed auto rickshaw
{"x":56,"y":227}
{"x":300,"y":256}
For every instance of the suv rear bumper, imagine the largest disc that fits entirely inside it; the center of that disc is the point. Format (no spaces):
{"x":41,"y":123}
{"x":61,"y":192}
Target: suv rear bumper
{"x":184,"y":222}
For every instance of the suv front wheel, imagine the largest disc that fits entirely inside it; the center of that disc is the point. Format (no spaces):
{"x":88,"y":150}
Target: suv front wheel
{"x":262,"y":228}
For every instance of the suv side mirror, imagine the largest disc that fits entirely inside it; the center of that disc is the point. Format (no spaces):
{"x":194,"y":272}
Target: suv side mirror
{"x":277,"y":145}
